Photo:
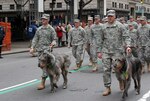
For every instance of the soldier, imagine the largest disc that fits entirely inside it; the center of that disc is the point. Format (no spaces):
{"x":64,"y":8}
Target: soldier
{"x":88,"y":44}
{"x":131,"y":20}
{"x":44,"y":39}
{"x":96,"y":30}
{"x":144,"y":41}
{"x":2,"y":35}
{"x":77,"y":38}
{"x":122,"y":20}
{"x":111,"y":47}
{"x":131,"y":39}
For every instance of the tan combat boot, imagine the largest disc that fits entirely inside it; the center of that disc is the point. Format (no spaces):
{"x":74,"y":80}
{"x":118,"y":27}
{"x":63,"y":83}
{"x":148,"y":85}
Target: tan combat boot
{"x":90,"y":63}
{"x":77,"y":67}
{"x":95,"y":67}
{"x":42,"y":84}
{"x":107,"y":91}
{"x":121,"y":85}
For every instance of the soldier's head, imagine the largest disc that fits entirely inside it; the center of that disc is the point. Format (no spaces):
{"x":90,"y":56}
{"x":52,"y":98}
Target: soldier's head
{"x":131,"y":18}
{"x":138,"y":19}
{"x":97,"y":19}
{"x":111,"y":14}
{"x":76,"y":23}
{"x":122,"y":20}
{"x":90,"y":20}
{"x":130,"y":26}
{"x":143,"y":20}
{"x":45,"y":19}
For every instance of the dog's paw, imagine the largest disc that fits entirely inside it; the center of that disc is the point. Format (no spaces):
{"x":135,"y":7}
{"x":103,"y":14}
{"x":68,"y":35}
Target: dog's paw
{"x":64,"y":86}
{"x":53,"y":90}
{"x":55,"y":85}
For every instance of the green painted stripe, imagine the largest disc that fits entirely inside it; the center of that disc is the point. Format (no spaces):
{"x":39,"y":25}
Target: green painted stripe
{"x":83,"y":67}
{"x":19,"y":87}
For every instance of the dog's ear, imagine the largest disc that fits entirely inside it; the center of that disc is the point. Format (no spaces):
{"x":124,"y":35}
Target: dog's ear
{"x":51,"y":58}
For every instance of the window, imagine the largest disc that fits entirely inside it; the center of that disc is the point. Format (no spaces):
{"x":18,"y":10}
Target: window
{"x":19,"y":6}
{"x":120,"y":5}
{"x":114,"y":4}
{"x":51,"y":5}
{"x":59,"y":5}
{"x":147,"y":9}
{"x":0,"y":7}
{"x":12,"y":6}
{"x":126,"y":6}
{"x":136,"y":7}
{"x":31,"y":6}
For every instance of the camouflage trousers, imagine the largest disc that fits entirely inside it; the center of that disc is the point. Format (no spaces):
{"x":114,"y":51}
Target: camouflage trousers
{"x":107,"y":60}
{"x":77,"y":51}
{"x":143,"y":54}
{"x":94,"y":53}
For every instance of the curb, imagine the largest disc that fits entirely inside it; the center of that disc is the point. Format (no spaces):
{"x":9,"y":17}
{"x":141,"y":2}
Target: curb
{"x":19,"y":51}
{"x":15,"y":52}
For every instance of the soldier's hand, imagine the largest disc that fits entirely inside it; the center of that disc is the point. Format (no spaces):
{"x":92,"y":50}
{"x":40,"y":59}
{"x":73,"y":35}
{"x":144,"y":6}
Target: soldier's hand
{"x":68,"y":46}
{"x":31,"y":51}
{"x":99,"y":55}
{"x":51,"y":46}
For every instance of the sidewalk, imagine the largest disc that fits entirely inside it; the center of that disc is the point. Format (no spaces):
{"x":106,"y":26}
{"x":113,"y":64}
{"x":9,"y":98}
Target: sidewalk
{"x":18,"y":47}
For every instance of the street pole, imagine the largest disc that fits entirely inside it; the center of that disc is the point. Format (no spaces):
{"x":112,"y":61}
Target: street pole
{"x":75,"y":8}
{"x":72,"y":10}
{"x":142,"y":1}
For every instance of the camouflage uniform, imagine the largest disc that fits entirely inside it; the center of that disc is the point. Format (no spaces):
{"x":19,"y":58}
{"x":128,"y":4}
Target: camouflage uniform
{"x":133,"y":23}
{"x":112,"y":48}
{"x":88,"y":42}
{"x":96,"y":30}
{"x":131,"y":39}
{"x":77,"y":38}
{"x":43,"y":38}
{"x":144,"y":42}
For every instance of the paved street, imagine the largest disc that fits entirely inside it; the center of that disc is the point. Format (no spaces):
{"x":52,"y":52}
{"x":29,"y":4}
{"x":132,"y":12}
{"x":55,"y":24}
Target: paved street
{"x":19,"y":77}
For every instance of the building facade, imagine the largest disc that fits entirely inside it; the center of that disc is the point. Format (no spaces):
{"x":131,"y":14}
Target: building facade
{"x":8,"y":8}
{"x":23,"y":11}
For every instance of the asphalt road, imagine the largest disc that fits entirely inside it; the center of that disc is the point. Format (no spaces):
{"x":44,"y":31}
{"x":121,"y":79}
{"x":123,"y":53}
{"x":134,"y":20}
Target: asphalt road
{"x":19,"y":77}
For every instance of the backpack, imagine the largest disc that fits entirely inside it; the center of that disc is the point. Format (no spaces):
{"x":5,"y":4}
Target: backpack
{"x":31,"y":31}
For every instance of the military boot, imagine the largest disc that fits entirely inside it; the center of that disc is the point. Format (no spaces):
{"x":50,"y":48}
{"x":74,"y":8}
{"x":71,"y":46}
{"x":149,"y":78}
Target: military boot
{"x":42,"y":84}
{"x":107,"y":91}
{"x":90,"y":63}
{"x":95,"y":67}
{"x":121,"y":85}
{"x":77,"y":66}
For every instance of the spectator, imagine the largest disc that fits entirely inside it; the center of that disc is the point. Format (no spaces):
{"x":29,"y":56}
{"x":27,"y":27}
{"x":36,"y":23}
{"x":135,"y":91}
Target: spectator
{"x":64,"y":34}
{"x":2,"y":35}
{"x":59,"y":34}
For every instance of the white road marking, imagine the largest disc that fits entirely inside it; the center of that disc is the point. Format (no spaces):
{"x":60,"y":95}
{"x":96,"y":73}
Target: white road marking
{"x":4,"y":89}
{"x":145,"y":96}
